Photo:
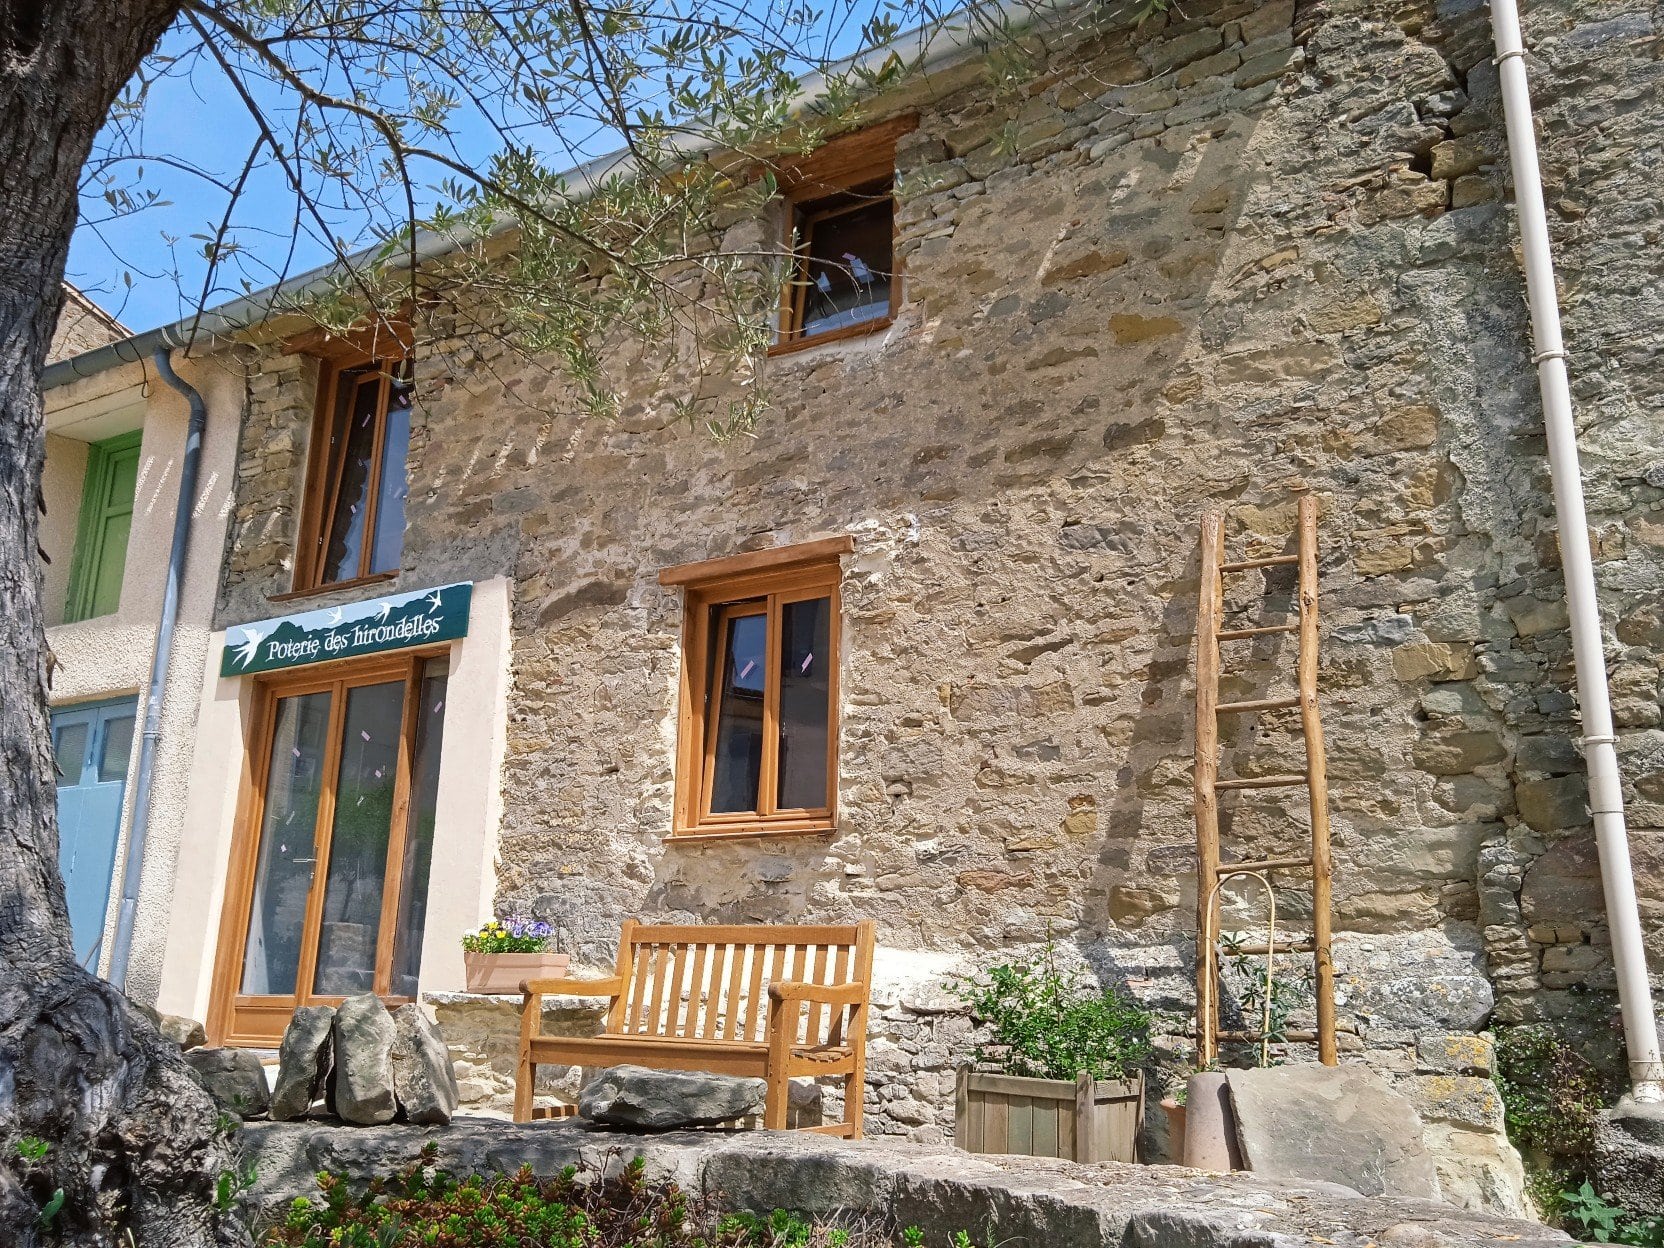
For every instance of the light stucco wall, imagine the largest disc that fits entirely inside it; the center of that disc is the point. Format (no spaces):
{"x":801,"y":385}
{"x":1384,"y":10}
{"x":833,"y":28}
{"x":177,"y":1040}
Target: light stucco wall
{"x":111,"y":655}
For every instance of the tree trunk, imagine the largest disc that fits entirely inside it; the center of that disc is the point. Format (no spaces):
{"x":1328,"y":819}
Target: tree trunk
{"x":132,"y":1140}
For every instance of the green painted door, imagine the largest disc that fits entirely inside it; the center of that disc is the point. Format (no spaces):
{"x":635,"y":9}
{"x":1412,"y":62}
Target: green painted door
{"x":105,"y":524}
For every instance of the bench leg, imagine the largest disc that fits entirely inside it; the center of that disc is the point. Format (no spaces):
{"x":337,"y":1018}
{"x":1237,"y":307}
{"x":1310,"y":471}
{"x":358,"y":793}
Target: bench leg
{"x":855,"y":1095}
{"x":525,"y":1080}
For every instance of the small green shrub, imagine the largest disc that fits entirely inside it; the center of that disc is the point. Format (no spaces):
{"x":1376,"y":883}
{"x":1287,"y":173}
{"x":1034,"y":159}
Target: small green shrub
{"x":1588,"y":1216}
{"x":1550,"y":1095}
{"x":423,"y":1207}
{"x":1045,"y":1023}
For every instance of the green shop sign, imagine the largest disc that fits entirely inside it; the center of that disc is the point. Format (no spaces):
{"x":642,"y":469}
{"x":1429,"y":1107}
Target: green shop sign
{"x":396,"y":622}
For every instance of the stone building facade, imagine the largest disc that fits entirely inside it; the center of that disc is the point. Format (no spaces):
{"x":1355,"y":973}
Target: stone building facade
{"x":1231,"y":255}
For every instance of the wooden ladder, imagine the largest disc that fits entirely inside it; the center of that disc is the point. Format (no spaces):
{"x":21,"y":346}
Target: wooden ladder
{"x":1210,"y":872}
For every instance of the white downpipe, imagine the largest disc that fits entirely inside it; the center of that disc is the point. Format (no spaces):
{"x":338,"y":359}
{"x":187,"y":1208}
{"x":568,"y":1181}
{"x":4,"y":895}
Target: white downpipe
{"x":1606,"y":802}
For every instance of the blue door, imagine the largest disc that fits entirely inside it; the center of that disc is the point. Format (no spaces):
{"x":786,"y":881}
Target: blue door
{"x":91,"y":745}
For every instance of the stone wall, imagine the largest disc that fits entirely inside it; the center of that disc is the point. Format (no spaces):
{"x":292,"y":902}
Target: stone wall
{"x":1234,"y":254}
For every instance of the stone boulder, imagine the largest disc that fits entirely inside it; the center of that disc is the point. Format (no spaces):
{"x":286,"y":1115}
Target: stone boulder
{"x":361,"y":1083}
{"x":303,"y":1062}
{"x":662,"y":1100}
{"x":424,"y":1082}
{"x":235,"y":1078}
{"x":1629,"y":1156}
{"x":187,"y":1033}
{"x":1342,"y":1124}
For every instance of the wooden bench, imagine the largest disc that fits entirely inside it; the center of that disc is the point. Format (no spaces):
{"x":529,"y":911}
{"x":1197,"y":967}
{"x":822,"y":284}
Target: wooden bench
{"x":760,"y":1001}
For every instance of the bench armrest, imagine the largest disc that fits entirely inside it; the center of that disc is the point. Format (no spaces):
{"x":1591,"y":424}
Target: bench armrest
{"x":609,"y":987}
{"x":787,"y":991}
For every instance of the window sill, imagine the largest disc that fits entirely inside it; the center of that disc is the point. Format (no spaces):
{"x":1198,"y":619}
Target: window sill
{"x":379,"y":578}
{"x":753,"y":832}
{"x":862,"y":330}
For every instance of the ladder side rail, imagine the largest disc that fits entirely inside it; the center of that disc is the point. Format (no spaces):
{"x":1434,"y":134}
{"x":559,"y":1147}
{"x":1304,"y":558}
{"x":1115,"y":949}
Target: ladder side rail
{"x":1311,"y":722}
{"x":1209,"y":609}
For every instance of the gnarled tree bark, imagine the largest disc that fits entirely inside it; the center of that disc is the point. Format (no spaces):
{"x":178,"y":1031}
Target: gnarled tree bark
{"x":132,"y":1140}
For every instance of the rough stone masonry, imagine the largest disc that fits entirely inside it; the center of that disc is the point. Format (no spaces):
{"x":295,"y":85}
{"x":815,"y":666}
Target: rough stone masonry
{"x":1237,"y":252}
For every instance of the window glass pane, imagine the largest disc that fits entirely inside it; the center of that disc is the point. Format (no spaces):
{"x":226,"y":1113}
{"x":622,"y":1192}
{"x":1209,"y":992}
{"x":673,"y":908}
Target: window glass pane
{"x":737,"y":762}
{"x":358,"y":841}
{"x":283,"y":872}
{"x":805,"y":702}
{"x":70,"y":751}
{"x":352,"y":450}
{"x":395,"y":447}
{"x":418,"y":850}
{"x":118,"y":745}
{"x":849,"y":264}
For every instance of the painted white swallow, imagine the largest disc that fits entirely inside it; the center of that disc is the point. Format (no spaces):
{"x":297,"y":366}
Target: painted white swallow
{"x":434,"y":599}
{"x":383,"y":611}
{"x":252,"y":637}
{"x":334,"y":617}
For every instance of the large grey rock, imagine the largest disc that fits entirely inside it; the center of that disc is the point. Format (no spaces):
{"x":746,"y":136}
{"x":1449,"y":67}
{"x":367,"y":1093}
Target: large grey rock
{"x":1338,"y":1123}
{"x":235,"y":1078}
{"x":424,"y":1083}
{"x":661,"y":1100}
{"x":1629,"y":1156}
{"x":187,"y":1033}
{"x":1004,"y":1200}
{"x":361,"y":1083}
{"x":303,"y":1061}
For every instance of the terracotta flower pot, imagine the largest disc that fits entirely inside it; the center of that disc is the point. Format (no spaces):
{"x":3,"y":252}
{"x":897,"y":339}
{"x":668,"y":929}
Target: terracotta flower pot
{"x":489,"y":973}
{"x":1210,"y":1126}
{"x":1175,"y":1129}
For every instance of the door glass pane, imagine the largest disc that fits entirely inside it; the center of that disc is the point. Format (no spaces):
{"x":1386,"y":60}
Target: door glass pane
{"x":737,"y":762}
{"x":395,"y":447}
{"x":418,"y":850}
{"x":69,"y":750}
{"x":117,"y":747}
{"x":805,"y":700}
{"x":353,"y":445}
{"x":283,"y":871}
{"x":358,"y":841}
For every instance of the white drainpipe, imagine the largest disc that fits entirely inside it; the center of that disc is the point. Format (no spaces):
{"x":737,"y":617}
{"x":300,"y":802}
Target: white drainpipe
{"x":1606,"y":800}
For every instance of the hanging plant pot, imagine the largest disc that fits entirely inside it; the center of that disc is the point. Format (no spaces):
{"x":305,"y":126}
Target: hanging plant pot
{"x":502,"y":973}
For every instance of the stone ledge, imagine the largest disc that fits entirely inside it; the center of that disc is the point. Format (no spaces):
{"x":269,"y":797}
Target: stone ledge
{"x":1013,"y":1201}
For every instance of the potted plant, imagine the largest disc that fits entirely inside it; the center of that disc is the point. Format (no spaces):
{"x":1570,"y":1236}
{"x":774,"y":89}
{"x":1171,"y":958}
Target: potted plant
{"x":502,"y":953}
{"x":1060,"y":1070}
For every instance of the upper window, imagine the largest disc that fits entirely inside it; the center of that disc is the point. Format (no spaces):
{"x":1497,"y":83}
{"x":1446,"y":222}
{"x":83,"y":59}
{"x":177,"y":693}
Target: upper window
{"x":352,"y":523}
{"x":103,"y":529}
{"x":840,"y":219}
{"x":758,"y":747}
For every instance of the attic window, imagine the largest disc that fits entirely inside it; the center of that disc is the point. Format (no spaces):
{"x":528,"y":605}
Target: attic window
{"x":840,"y":229}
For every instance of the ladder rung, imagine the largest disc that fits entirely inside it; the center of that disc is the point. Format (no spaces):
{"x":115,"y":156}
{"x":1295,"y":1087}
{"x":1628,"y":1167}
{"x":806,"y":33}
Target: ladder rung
{"x":1269,"y":561}
{"x":1238,"y":634}
{"x":1259,"y":782}
{"x":1264,"y":864}
{"x":1253,"y":1037}
{"x":1304,"y":945}
{"x":1258,"y":704}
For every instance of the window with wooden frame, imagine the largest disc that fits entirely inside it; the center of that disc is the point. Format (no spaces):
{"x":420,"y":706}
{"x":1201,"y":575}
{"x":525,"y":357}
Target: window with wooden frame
{"x":327,"y":892}
{"x":757,"y":751}
{"x":840,"y":230}
{"x":352,"y":513}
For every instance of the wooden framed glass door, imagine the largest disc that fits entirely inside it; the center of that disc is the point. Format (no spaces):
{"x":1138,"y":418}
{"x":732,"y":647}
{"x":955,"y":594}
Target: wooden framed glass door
{"x":328,"y":883}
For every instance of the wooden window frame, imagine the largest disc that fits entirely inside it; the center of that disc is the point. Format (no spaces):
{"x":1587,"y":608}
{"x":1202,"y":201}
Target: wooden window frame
{"x":238,"y":1018}
{"x":713,"y":591}
{"x":853,"y":163}
{"x":102,"y":458}
{"x":323,"y":476}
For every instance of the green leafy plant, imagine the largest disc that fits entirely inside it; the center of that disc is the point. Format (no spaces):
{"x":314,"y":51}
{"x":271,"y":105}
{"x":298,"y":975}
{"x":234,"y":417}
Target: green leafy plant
{"x":1047,"y":1023}
{"x":52,"y":1208}
{"x":421,"y":1206}
{"x":1550,"y":1095}
{"x":510,"y":936}
{"x":912,"y":1237}
{"x":1588,"y":1215}
{"x":231,"y":1184}
{"x":1289,"y":990}
{"x":32,"y":1148}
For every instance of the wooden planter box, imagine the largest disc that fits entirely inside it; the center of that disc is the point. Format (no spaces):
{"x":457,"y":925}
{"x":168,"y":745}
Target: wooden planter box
{"x":503,"y":972}
{"x":1087,"y":1120}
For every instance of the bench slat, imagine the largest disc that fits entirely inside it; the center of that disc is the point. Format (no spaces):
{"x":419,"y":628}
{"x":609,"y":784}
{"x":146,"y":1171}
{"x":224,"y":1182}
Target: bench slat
{"x":745,"y":934}
{"x":736,"y":973}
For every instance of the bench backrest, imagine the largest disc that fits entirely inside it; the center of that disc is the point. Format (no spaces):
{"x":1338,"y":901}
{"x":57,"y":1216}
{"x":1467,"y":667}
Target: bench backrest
{"x":710,"y":982}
